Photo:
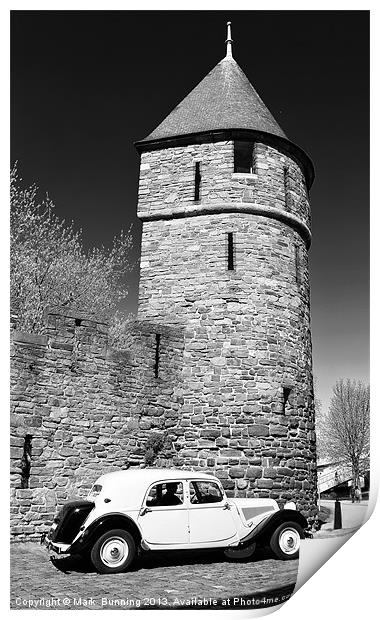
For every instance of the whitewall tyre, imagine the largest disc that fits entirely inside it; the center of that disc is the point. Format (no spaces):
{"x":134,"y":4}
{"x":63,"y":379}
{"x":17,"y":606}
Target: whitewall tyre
{"x":113,"y":552}
{"x":285,"y":541}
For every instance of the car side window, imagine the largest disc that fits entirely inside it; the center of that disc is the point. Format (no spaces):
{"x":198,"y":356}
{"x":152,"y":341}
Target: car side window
{"x":204,"y":492}
{"x":165,"y":494}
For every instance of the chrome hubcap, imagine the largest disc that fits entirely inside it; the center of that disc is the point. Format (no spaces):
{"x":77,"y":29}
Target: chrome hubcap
{"x":289,"y":541}
{"x":114,"y":552}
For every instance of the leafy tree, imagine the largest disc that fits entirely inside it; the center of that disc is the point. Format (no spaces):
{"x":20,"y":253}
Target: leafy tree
{"x":50,"y":267}
{"x":343,"y":432}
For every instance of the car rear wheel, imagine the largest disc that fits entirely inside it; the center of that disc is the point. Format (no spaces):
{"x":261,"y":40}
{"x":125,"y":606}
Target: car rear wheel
{"x":285,"y":541}
{"x":113,"y":552}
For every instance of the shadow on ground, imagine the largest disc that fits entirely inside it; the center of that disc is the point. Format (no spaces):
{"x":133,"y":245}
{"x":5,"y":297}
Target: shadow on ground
{"x":156,"y":559}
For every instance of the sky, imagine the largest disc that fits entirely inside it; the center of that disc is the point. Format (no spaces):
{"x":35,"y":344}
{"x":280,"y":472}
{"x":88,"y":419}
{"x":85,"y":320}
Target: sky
{"x":86,"y":84}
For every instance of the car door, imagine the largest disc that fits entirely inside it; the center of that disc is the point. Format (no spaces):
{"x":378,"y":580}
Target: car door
{"x":163,"y":518}
{"x":210,"y":517}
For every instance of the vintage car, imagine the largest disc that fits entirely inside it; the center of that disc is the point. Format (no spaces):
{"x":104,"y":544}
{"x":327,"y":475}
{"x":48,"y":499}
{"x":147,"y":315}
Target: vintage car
{"x":164,"y":509}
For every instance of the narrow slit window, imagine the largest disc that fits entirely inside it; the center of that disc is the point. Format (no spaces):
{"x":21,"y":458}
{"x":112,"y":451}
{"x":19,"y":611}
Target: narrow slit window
{"x":157,"y":355}
{"x":297,"y":263}
{"x":286,"y":186}
{"x":306,"y":189}
{"x":286,"y":405}
{"x":243,"y":157}
{"x":230,"y":252}
{"x":26,"y":462}
{"x":197,"y":181}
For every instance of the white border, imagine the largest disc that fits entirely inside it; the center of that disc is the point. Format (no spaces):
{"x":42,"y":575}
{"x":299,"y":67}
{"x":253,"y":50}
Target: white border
{"x":348,"y":584}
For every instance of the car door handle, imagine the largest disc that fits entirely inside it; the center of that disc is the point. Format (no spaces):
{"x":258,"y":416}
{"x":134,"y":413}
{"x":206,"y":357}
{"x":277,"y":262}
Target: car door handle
{"x":226,"y":507}
{"x":144,"y":510}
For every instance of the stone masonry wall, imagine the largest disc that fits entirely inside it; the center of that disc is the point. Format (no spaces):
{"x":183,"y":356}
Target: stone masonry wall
{"x":234,"y":391}
{"x":87,"y":409}
{"x":248,"y":412}
{"x":167,"y":180}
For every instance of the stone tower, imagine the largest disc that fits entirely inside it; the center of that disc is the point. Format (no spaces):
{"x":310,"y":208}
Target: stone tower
{"x":224,"y":201}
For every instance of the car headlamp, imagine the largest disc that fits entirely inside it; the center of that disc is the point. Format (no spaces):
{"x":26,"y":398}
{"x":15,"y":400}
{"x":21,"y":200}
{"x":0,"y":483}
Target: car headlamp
{"x":290,"y":506}
{"x":96,"y":489}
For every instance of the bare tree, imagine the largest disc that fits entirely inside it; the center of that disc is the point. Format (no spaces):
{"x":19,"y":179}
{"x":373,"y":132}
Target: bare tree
{"x":318,"y":411}
{"x":51,"y":268}
{"x":343,"y":432}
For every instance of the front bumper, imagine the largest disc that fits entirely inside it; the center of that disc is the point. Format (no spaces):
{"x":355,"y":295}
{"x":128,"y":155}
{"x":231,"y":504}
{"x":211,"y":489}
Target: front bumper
{"x":59,"y":548}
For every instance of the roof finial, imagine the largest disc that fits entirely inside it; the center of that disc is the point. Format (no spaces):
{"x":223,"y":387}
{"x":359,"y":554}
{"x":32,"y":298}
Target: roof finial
{"x":229,"y":41}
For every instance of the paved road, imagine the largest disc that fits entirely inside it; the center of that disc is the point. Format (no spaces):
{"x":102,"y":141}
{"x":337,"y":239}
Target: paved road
{"x":353,"y":515}
{"x":182,"y":579}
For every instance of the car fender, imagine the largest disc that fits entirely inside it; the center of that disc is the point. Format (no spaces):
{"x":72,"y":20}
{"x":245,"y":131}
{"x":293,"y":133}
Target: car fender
{"x":103,"y":523}
{"x":264,"y":529}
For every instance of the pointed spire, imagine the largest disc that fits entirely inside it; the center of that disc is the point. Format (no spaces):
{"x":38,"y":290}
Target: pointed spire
{"x":223,"y":100}
{"x":229,"y":41}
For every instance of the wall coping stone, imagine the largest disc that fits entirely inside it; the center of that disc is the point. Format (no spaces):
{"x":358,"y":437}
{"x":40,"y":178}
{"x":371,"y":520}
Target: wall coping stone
{"x":26,"y":338}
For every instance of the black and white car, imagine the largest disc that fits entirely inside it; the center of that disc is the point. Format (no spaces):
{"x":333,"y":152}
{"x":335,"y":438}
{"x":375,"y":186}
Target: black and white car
{"x":162,"y":509}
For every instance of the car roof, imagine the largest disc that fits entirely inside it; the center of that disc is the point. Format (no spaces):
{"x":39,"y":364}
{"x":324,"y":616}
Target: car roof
{"x":150,"y":475}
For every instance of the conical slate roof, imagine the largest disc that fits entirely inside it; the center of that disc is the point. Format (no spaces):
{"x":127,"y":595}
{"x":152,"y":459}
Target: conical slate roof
{"x":224,"y":99}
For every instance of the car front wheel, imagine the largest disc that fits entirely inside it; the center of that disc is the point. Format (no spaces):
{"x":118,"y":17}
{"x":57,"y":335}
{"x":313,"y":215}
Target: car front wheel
{"x":285,"y":541}
{"x":113,"y":552}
